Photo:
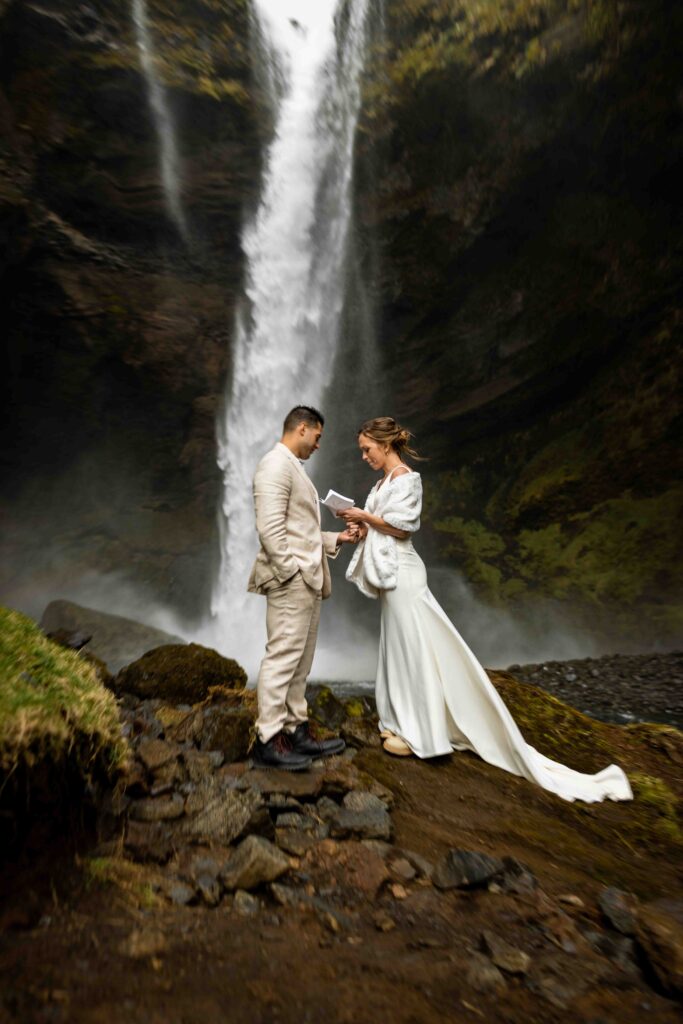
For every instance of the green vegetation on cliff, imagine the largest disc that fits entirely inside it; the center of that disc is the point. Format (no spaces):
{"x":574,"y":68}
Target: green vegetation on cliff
{"x":519,"y":160}
{"x":52,"y":705}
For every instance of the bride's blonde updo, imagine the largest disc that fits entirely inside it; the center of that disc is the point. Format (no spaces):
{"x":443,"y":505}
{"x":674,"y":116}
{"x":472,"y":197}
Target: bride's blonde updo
{"x":386,"y":431}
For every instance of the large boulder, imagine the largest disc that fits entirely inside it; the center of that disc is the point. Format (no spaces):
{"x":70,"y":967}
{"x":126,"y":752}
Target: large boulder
{"x":180,"y":673}
{"x":114,"y":639}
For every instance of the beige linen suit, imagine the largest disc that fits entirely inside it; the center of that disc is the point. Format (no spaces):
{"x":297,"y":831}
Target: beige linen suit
{"x":291,"y":570}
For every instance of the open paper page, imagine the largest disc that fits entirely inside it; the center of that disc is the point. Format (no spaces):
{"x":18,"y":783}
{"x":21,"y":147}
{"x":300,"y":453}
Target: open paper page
{"x":336,"y":502}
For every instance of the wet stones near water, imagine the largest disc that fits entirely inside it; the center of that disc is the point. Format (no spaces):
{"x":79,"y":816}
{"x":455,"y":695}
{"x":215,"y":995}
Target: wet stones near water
{"x":615,"y":687}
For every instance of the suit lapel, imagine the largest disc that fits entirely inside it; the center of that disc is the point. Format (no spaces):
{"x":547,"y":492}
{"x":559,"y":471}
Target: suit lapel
{"x":309,"y":483}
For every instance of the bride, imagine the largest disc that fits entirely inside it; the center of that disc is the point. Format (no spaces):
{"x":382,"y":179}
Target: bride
{"x":432,"y":694}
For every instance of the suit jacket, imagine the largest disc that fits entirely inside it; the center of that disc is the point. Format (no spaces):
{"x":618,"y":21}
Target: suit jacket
{"x":288,"y":525}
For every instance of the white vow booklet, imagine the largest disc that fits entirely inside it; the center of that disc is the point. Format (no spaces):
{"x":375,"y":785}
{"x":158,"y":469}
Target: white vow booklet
{"x":336,"y":502}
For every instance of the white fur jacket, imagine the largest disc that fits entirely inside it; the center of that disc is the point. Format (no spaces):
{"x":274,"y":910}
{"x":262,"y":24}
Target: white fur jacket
{"x":374,"y":566}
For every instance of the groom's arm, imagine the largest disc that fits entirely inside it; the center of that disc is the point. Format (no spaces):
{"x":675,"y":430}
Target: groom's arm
{"x":272,"y":487}
{"x":331,"y":543}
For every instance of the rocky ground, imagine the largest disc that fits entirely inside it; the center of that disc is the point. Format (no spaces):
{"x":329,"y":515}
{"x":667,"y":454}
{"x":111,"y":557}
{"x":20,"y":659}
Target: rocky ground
{"x":215,"y":891}
{"x":615,"y":687}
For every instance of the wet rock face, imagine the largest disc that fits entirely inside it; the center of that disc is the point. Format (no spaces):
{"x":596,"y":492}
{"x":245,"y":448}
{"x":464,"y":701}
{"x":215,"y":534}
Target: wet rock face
{"x":116,"y":640}
{"x":501,"y":173}
{"x":119,"y":331}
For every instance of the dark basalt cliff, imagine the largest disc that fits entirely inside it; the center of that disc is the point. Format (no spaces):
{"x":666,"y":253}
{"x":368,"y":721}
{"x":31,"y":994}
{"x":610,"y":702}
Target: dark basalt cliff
{"x":521,"y":166}
{"x":118,"y":332}
{"x":517,"y":175}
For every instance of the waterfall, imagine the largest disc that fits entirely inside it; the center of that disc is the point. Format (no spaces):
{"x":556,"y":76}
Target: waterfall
{"x":288,"y":323}
{"x":169,"y":160}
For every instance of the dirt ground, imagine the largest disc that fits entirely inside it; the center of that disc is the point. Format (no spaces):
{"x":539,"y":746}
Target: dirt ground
{"x":78,"y":949}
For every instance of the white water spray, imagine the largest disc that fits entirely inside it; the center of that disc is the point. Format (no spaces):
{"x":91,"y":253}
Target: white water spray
{"x":288,"y":324}
{"x":169,"y":160}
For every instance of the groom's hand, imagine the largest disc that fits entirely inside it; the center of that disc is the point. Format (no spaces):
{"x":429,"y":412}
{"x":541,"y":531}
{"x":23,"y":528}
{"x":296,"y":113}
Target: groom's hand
{"x":349,"y":536}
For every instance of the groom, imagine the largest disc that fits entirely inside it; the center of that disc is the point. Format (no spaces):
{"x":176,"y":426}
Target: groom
{"x":291,"y":570}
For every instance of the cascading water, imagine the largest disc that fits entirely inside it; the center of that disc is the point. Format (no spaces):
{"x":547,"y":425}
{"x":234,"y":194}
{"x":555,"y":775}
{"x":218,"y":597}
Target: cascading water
{"x":169,"y":160}
{"x":288,"y":325}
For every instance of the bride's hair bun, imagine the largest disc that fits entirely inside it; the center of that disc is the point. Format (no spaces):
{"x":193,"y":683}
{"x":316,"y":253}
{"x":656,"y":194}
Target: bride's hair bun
{"x":386,"y":431}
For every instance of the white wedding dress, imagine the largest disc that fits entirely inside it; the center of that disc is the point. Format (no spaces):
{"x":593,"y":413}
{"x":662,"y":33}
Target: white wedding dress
{"x":430,"y":689}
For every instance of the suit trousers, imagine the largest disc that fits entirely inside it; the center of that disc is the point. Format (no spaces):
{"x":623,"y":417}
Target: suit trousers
{"x":292,"y":620}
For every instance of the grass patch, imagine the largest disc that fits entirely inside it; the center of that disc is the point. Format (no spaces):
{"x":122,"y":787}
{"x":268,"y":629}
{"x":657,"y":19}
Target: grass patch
{"x":52,"y":704}
{"x":135,"y":883}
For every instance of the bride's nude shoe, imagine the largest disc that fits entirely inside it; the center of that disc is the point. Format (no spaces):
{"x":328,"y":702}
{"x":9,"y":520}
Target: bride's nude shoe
{"x":395,"y":745}
{"x":386,"y":733}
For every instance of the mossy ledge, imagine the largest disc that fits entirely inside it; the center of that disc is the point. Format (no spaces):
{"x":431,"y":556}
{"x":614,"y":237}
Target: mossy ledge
{"x":59,"y":726}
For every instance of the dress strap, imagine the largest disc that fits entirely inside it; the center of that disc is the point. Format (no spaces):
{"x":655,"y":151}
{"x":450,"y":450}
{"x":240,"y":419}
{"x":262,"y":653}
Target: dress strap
{"x":401,"y":465}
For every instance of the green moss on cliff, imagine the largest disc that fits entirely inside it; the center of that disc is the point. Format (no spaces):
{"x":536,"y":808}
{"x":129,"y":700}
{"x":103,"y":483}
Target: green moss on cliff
{"x":204,"y":52}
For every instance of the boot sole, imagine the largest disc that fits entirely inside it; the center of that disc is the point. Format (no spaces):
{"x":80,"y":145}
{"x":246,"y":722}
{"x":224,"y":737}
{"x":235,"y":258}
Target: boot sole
{"x":281,"y":767}
{"x":328,"y":753}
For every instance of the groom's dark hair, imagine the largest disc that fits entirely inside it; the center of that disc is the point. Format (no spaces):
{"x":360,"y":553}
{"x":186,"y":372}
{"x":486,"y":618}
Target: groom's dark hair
{"x":302,"y":414}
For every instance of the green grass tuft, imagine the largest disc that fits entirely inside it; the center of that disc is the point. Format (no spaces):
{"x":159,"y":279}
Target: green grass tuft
{"x":52,"y":704}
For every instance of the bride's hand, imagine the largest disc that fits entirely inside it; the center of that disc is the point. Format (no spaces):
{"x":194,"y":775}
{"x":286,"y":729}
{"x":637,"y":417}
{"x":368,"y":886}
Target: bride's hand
{"x":354,"y":516}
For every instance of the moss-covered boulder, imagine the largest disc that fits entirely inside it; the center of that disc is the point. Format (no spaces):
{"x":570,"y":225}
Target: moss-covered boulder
{"x":180,"y":673}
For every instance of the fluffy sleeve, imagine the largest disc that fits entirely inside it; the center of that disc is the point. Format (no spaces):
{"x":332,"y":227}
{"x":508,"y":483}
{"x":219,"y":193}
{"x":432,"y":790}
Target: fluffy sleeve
{"x":402,"y":504}
{"x":374,"y":566}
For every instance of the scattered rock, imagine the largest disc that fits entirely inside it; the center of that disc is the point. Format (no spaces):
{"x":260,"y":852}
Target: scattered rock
{"x":209,"y":890}
{"x":255,"y":861}
{"x":619,"y":908}
{"x":227,"y":729}
{"x":402,"y":869}
{"x":201,"y":763}
{"x":570,"y":900}
{"x":368,"y":824}
{"x":178,"y":892}
{"x":296,"y":784}
{"x":660,"y":939}
{"x":143,"y":942}
{"x":180,"y":673}
{"x":206,"y":863}
{"x":517,"y":877}
{"x":325,"y":707}
{"x":358,"y":732}
{"x":155,"y":753}
{"x":383,"y":921}
{"x":504,"y":955}
{"x":160,"y":808}
{"x":362,"y":800}
{"x":223,"y":815}
{"x":423,"y":867}
{"x":618,"y":948}
{"x":379,"y":846}
{"x":181,"y":724}
{"x":148,"y":841}
{"x":246,"y":904}
{"x":465,"y":869}
{"x":484,"y":976}
{"x":398,"y":891}
{"x":290,"y":819}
